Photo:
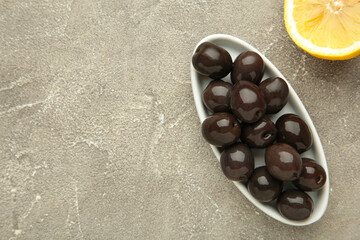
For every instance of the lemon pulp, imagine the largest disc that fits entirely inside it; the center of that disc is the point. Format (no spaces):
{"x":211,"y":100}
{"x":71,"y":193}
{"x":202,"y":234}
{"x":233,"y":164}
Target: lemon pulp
{"x":325,"y":28}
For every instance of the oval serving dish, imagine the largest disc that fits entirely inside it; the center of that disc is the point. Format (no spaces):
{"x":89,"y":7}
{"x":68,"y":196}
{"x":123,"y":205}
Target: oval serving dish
{"x":199,"y":82}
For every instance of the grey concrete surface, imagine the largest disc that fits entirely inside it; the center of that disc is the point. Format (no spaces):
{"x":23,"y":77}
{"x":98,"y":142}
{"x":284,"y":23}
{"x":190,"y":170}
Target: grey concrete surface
{"x":99,"y":136}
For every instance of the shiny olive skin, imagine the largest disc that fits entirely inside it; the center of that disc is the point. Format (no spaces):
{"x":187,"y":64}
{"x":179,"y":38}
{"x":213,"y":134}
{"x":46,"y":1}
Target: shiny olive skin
{"x":263,"y":186}
{"x":259,"y":134}
{"x":246,"y":102}
{"x":216,"y":96}
{"x":212,"y":61}
{"x":295,"y":205}
{"x":276,"y":92}
{"x":248,"y":66}
{"x":294,"y":131}
{"x":237,"y":162}
{"x":221,"y":129}
{"x":283,"y":162}
{"x":312,"y":177}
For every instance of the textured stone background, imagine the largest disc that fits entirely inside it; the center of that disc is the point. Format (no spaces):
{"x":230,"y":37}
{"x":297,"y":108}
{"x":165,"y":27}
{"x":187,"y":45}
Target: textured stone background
{"x":99,"y":136}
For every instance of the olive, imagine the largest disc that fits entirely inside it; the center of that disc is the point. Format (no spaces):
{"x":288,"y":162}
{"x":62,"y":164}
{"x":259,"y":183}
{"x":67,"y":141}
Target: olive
{"x":216,"y":96}
{"x":294,"y":131}
{"x":259,"y":134}
{"x":263,"y":186}
{"x":312,"y":177}
{"x":246,"y":102}
{"x":212,"y":61}
{"x":283,"y":162}
{"x":248,"y":66}
{"x":295,"y":205}
{"x":237,"y":162}
{"x":276,"y":92}
{"x":221,"y":129}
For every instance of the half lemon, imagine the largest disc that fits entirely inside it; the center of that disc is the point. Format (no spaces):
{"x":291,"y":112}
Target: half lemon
{"x":328,"y":29}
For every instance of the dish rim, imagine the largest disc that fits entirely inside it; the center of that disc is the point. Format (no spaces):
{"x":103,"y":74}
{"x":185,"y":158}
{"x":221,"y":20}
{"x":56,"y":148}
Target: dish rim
{"x":300,"y":110}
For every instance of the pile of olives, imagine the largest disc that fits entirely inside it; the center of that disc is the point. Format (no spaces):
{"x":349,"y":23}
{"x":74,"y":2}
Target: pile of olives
{"x":240,"y":121}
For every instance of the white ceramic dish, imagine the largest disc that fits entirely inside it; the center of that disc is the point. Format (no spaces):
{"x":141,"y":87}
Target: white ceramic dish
{"x":235,"y":46}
